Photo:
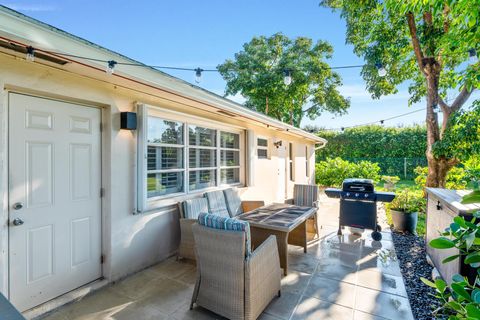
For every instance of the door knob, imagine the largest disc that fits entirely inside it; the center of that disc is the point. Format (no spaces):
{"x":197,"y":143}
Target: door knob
{"x":17,"y":222}
{"x":18,"y":206}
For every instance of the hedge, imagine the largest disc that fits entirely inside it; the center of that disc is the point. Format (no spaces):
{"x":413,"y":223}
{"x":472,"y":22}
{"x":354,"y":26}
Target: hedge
{"x":390,"y":147}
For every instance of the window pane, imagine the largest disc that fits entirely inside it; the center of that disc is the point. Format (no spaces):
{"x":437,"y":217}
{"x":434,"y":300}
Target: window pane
{"x":229,"y":140}
{"x":198,"y":136}
{"x":229,"y":158}
{"x":162,"y":158}
{"x":262,"y":142}
{"x":164,"y":131}
{"x":262,"y":153}
{"x":160,"y":184}
{"x":202,"y":158}
{"x":230,"y":175}
{"x":201,"y":179}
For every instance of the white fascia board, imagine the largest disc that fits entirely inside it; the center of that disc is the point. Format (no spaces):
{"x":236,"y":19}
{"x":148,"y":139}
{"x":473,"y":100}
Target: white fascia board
{"x":17,"y":26}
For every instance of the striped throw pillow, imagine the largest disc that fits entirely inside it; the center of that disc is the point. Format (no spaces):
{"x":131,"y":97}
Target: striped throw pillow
{"x":225,"y":223}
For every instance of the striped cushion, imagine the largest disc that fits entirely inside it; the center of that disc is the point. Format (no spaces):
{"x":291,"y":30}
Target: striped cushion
{"x":193,"y":207}
{"x":234,"y":203}
{"x":225,"y":223}
{"x":305,"y":195}
{"x":217,"y":204}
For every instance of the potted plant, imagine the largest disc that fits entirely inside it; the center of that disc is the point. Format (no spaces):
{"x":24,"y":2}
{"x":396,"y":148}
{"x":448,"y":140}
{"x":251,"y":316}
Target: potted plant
{"x":389,"y":182}
{"x":405,"y":209}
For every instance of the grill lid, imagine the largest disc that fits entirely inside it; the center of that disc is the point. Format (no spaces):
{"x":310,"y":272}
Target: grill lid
{"x":358,"y":185}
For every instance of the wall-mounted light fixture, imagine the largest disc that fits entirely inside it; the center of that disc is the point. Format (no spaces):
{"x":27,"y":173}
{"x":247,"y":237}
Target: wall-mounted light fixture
{"x":128,"y":120}
{"x":277,"y":144}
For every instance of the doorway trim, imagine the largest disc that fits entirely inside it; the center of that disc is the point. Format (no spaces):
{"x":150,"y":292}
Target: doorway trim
{"x":105,"y":215}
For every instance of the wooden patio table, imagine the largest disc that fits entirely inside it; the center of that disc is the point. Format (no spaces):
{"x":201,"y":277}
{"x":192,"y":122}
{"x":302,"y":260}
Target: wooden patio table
{"x":287,"y":222}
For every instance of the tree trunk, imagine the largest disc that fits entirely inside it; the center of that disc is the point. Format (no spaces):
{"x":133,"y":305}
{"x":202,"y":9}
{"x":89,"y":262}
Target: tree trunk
{"x":437,"y":168}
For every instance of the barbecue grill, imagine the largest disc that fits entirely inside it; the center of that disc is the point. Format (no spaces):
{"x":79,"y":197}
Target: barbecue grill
{"x":358,"y":205}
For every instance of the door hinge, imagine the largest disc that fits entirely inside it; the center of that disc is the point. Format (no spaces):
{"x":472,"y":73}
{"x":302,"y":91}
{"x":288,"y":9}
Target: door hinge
{"x":102,"y":192}
{"x":102,"y":259}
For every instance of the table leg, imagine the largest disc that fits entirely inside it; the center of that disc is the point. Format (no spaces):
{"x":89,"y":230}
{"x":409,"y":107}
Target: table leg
{"x":258,"y":235}
{"x":298,"y":236}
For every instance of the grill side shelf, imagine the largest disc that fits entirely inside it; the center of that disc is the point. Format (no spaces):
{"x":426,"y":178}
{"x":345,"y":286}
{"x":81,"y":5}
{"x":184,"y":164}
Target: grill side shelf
{"x":333,"y":193}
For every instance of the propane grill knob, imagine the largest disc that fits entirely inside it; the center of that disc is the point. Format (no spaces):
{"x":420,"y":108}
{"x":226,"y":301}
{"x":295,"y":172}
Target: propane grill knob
{"x":348,"y":194}
{"x":357,"y":195}
{"x":366,"y":195}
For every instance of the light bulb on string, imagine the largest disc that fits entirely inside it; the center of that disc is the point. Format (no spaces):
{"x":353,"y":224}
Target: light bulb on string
{"x":472,"y":56}
{"x":111,"y":67}
{"x":287,"y":77}
{"x":198,"y":75}
{"x":30,"y":54}
{"x":382,"y":122}
{"x":382,"y":72}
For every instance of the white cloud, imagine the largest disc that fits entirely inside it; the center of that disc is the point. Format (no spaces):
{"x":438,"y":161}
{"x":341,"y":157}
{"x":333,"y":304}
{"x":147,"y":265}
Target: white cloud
{"x":30,"y":7}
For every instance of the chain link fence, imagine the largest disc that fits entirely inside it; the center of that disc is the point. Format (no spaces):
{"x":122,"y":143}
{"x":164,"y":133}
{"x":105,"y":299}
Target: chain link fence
{"x":401,"y":167}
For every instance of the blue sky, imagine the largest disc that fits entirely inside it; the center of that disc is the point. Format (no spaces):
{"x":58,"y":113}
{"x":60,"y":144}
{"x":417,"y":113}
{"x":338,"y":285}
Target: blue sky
{"x":188,"y":33}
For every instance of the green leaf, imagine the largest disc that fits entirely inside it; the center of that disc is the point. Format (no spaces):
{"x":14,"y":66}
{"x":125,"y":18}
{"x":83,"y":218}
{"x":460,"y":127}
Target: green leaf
{"x":473,"y":311}
{"x":458,"y":278}
{"x":473,"y":257}
{"x":460,"y":290}
{"x":460,"y":221}
{"x":451,"y":258}
{"x":428,"y":282}
{"x":442,"y":243}
{"x":469,"y":239}
{"x":476,"y":295}
{"x":441,"y":285}
{"x":454,"y":305}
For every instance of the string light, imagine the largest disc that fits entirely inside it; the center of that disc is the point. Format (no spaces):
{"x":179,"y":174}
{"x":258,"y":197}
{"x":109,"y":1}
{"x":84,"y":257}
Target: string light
{"x":111,"y":67}
{"x":382,"y":72}
{"x":287,"y":77}
{"x":374,"y":122}
{"x":472,"y":56}
{"x":198,"y":75}
{"x":30,"y":54}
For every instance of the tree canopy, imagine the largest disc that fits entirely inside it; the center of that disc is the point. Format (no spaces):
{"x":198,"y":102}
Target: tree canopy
{"x":257,"y":73}
{"x":461,"y":139}
{"x":429,"y":44}
{"x":381,"y":32}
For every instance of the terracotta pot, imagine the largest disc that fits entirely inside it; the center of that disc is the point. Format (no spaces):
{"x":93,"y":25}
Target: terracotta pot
{"x":404,"y":221}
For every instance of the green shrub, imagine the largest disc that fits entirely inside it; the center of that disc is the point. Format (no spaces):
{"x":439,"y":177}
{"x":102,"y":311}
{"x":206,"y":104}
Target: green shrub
{"x":332,"y":172}
{"x":390,"y":179}
{"x":456,"y":178}
{"x":409,"y":201}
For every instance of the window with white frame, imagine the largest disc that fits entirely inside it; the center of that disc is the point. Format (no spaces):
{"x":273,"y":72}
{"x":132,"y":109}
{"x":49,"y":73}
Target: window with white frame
{"x":262,"y":148}
{"x":184,"y":155}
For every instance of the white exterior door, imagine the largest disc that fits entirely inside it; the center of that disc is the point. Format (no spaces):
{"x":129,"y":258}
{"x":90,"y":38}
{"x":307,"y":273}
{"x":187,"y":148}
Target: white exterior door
{"x":282,"y":173}
{"x":54,"y":198}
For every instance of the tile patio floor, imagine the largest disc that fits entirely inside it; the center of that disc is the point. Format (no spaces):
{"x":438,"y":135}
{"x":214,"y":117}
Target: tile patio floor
{"x":341,"y":277}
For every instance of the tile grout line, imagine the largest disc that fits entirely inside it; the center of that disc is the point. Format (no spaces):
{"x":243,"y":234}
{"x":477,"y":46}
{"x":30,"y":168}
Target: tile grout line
{"x":303,"y":292}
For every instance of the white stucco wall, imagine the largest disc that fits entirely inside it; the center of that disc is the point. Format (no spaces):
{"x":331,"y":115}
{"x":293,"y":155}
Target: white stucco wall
{"x":130,"y":242}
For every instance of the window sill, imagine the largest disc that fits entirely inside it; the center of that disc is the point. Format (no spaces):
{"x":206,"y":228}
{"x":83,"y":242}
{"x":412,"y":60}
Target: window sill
{"x":168,"y":201}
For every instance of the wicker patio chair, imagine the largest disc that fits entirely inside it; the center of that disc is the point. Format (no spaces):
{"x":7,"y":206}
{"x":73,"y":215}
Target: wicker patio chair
{"x":228,"y":203}
{"x":236,"y":206}
{"x":232,"y":281}
{"x":306,"y":195}
{"x":191,"y":210}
